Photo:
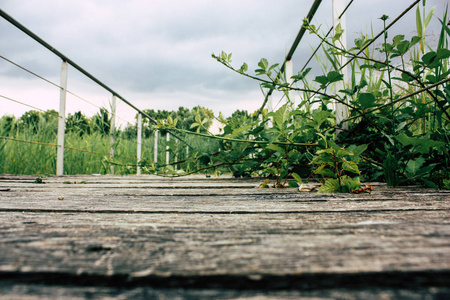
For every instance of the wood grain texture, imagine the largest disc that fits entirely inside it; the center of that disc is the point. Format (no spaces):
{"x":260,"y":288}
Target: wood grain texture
{"x":148,"y":235}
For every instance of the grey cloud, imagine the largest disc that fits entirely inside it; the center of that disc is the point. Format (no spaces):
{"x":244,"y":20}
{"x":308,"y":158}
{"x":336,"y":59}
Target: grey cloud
{"x":153,"y":46}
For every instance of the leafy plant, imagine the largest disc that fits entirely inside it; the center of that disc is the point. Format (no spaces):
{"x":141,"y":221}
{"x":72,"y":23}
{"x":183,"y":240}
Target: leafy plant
{"x":338,"y":167}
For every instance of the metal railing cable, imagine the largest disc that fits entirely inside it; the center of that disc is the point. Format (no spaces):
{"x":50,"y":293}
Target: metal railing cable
{"x":328,"y":33}
{"x":70,"y":62}
{"x":373,"y":39}
{"x":56,"y":85}
{"x":309,"y":17}
{"x":31,"y":106}
{"x":83,"y":71}
{"x":32,"y":73}
{"x":383,"y":31}
{"x":56,"y":145}
{"x":321,"y":43}
{"x":49,"y":144}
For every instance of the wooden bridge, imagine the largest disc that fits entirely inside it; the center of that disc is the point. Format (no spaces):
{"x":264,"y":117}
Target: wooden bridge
{"x":146,"y":237}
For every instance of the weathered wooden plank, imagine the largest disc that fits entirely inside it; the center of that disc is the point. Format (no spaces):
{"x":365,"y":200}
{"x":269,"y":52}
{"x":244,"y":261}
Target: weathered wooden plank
{"x":139,"y":200}
{"x":36,"y":291}
{"x":144,"y":237}
{"x":206,"y":243}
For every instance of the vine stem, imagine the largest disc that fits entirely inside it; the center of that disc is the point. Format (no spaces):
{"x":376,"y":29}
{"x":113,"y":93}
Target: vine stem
{"x":237,"y":140}
{"x":274,"y":84}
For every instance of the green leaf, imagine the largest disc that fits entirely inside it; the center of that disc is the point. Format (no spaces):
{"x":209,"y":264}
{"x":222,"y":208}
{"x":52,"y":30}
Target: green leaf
{"x":431,"y":78}
{"x":301,"y":75}
{"x":357,"y":151}
{"x":428,"y":18}
{"x":429,"y":57}
{"x":241,"y":129}
{"x":297,"y":178}
{"x":226,"y":130}
{"x":321,"y":116}
{"x":276,"y":148}
{"x":367,"y":100}
{"x":293,"y":184}
{"x":351,"y":166}
{"x":419,"y":22}
{"x":260,"y":71}
{"x":406,"y":77}
{"x":338,"y":31}
{"x":265,"y":184}
{"x":414,"y":40}
{"x":390,"y":167}
{"x":349,"y":92}
{"x":379,"y":65}
{"x":397,"y":39}
{"x":273,"y":67}
{"x":268,"y":85}
{"x":365,"y":66}
{"x":349,"y":184}
{"x":442,"y":53}
{"x":423,"y":144}
{"x":263,"y":63}
{"x":403,"y":47}
{"x":323,"y":80}
{"x":224,"y":56}
{"x":325,"y":172}
{"x":342,"y":153}
{"x":243,"y":68}
{"x":334,"y":76}
{"x":413,"y":166}
{"x":335,"y":147}
{"x":281,"y":115}
{"x":421,"y":172}
{"x":331,"y":185}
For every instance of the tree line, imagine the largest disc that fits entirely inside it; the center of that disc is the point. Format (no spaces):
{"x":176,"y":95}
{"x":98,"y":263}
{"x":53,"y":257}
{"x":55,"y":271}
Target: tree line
{"x":81,"y":124}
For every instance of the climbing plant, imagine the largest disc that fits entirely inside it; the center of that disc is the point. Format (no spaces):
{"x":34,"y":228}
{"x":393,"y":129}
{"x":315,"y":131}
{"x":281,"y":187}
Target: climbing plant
{"x":398,"y":98}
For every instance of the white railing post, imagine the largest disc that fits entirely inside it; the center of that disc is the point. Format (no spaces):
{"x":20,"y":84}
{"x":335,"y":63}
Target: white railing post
{"x":155,"y":147}
{"x":176,"y":155}
{"x":186,"y":158}
{"x":289,"y":71}
{"x":270,"y":109}
{"x":111,"y":132}
{"x":167,"y":148}
{"x":341,"y":110}
{"x":139,"y":143}
{"x":61,"y":119}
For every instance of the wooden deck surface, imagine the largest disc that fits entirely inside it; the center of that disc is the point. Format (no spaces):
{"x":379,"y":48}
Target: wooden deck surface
{"x":148,"y":237}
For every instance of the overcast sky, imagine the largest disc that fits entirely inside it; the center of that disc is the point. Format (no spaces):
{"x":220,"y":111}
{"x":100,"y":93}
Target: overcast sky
{"x":157,"y":54}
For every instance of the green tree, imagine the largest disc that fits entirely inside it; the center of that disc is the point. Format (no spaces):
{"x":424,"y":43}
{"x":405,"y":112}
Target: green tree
{"x":101,"y":122}
{"x":30,"y":120}
{"x":77,"y":123}
{"x":8,"y":124}
{"x":185,"y":117}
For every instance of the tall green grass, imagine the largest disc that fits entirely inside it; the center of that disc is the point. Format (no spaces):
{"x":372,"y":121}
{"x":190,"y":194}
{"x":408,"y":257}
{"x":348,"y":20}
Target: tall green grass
{"x":31,"y":150}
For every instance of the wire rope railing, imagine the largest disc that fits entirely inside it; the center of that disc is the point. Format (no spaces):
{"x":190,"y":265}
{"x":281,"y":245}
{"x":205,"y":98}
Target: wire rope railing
{"x":49,"y":144}
{"x":343,"y":118}
{"x":301,"y":33}
{"x":25,"y":104}
{"x":58,"y":86}
{"x":339,"y":106}
{"x":309,"y":18}
{"x":51,"y":112}
{"x":326,"y":35}
{"x":64,"y":91}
